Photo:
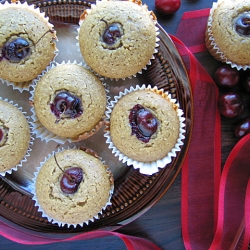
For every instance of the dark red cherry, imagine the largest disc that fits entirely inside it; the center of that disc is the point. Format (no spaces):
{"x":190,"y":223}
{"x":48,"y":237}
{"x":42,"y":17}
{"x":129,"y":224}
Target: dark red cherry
{"x":1,"y":134}
{"x":230,"y":104}
{"x":71,"y":180}
{"x":146,"y":122}
{"x":66,"y":104}
{"x":225,"y":76}
{"x":242,"y":24}
{"x":111,"y":33}
{"x":242,"y":128}
{"x":143,"y":123}
{"x":167,"y":7}
{"x":16,"y":50}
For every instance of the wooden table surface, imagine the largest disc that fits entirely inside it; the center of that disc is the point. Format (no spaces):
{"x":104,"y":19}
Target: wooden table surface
{"x":161,"y":224}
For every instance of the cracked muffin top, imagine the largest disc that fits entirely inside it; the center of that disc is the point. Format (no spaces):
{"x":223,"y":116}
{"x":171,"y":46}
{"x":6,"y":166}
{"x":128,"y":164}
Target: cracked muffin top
{"x":70,"y":101}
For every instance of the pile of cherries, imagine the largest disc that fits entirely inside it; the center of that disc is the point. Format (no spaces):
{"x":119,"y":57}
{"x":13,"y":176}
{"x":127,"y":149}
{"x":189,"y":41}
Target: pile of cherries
{"x":233,"y":84}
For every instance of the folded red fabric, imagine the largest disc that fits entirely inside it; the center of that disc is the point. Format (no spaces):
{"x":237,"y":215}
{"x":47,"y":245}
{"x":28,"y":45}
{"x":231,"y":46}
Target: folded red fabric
{"x":215,"y":205}
{"x":23,"y":237}
{"x":191,"y":30}
{"x":201,"y":168}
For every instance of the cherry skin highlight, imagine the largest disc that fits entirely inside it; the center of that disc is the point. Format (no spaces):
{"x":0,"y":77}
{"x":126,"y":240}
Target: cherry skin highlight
{"x":230,"y":105}
{"x":242,"y":24}
{"x":242,"y":128}
{"x":16,"y":50}
{"x":111,"y":34}
{"x":66,"y":104}
{"x":143,"y":123}
{"x":71,"y":180}
{"x":225,"y":76}
{"x":146,"y":122}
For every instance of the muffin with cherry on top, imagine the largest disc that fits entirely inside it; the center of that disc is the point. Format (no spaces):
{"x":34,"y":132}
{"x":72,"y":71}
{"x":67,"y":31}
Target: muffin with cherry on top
{"x":228,"y":32}
{"x":27,"y":44}
{"x":144,"y":128}
{"x":117,"y":39}
{"x":69,"y":103}
{"x":72,"y":187}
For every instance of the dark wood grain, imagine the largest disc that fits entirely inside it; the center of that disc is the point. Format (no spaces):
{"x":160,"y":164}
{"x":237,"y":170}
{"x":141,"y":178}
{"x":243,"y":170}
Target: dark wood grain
{"x":162,"y":223}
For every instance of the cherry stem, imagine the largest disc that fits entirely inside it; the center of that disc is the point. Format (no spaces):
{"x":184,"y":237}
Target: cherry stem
{"x":71,"y":179}
{"x":50,"y":30}
{"x":105,"y":22}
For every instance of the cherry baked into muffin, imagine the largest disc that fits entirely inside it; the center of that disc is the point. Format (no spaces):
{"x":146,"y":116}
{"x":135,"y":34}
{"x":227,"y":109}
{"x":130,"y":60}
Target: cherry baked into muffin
{"x":145,"y":128}
{"x":72,"y":186}
{"x":228,"y":32}
{"x":27,"y":44}
{"x":117,"y":39}
{"x":69,"y":102}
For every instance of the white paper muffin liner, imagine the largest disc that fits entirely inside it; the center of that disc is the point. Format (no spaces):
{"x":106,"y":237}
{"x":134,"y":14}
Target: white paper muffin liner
{"x":60,"y":223}
{"x":212,"y":47}
{"x":43,"y":133}
{"x":149,"y":62}
{"x":25,"y":86}
{"x":24,"y":159}
{"x":147,"y":168}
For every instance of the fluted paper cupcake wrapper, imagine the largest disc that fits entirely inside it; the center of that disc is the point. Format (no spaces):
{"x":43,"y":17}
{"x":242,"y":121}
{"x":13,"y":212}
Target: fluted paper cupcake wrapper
{"x":211,"y":45}
{"x":147,"y":168}
{"x":145,"y":67}
{"x":42,"y":132}
{"x":24,"y":159}
{"x":60,"y":223}
{"x":25,"y":86}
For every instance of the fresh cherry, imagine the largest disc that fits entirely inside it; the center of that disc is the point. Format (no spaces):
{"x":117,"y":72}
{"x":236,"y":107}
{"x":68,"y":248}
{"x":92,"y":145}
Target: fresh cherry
{"x":167,"y":6}
{"x":142,"y":122}
{"x":225,"y":76}
{"x":242,"y":24}
{"x":112,"y":33}
{"x":230,"y":104}
{"x":71,"y":180}
{"x":242,"y":128}
{"x":67,"y":105}
{"x":15,"y":50}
